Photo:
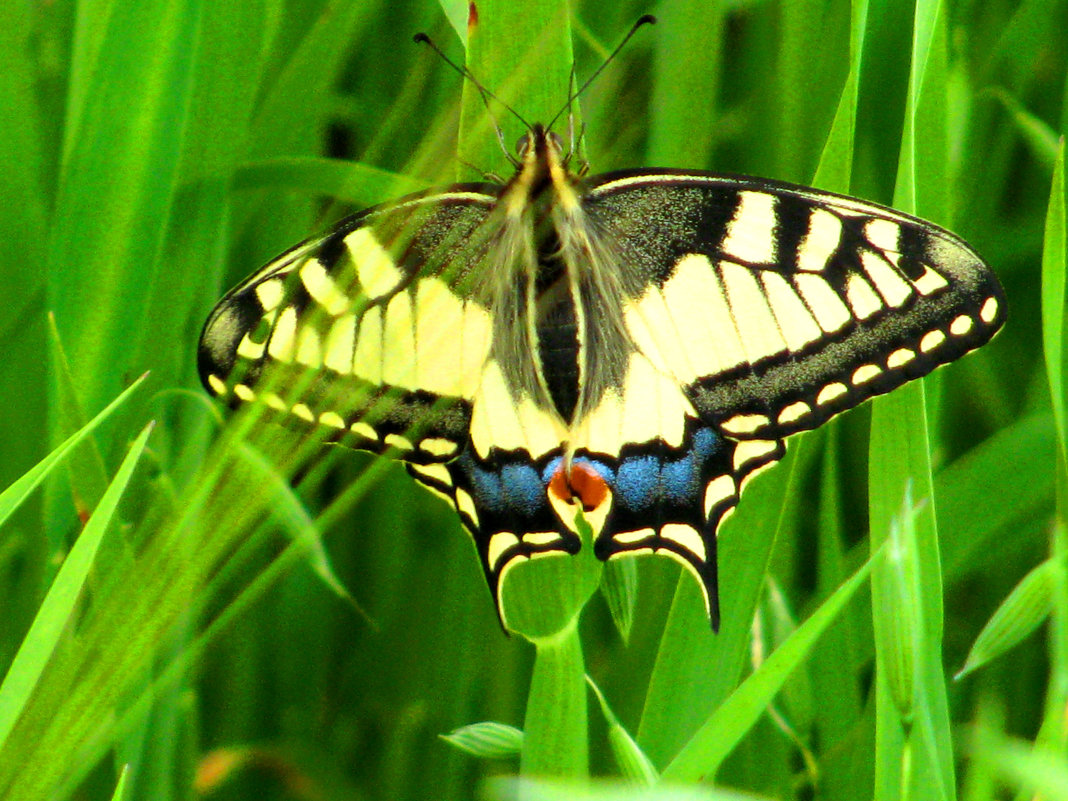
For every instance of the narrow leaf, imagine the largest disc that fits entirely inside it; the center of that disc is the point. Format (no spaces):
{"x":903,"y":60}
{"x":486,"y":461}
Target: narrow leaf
{"x":59,"y":603}
{"x":16,"y":494}
{"x":1026,"y":608}
{"x":708,"y":748}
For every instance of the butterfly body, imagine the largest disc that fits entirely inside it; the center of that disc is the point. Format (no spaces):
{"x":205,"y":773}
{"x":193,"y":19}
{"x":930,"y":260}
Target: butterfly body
{"x":632,"y":347}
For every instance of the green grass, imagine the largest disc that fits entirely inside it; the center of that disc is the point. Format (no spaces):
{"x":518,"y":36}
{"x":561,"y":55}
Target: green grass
{"x":226,"y":606}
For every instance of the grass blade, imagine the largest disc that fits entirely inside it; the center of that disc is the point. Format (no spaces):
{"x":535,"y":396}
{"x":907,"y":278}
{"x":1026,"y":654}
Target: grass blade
{"x":703,"y":754}
{"x":59,"y":603}
{"x":14,"y":496}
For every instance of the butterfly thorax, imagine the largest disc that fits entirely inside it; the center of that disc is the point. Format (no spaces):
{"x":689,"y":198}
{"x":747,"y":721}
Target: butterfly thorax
{"x":553,"y":293}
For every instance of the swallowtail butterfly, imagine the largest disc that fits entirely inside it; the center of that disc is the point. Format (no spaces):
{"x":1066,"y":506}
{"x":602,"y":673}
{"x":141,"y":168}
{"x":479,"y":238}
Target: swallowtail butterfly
{"x":635,"y":345}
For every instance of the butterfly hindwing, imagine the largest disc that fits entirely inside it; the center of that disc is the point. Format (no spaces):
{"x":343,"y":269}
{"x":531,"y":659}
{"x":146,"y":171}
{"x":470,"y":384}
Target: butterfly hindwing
{"x":778,"y":306}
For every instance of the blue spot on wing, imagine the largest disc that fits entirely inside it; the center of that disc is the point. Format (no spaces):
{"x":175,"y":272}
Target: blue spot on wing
{"x":662,"y":483}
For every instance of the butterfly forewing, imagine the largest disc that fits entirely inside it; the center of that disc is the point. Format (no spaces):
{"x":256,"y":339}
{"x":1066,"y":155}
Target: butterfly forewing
{"x":777,"y":306}
{"x":373,"y":331}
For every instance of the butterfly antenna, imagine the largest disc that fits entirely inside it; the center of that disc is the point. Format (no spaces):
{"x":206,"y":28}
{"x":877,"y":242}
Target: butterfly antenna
{"x":645,"y":19}
{"x":483,"y":92}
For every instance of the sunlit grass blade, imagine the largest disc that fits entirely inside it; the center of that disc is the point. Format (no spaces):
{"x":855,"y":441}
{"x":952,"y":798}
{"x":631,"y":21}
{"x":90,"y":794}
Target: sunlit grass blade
{"x":619,"y":588}
{"x":120,"y":786}
{"x":1054,"y":265}
{"x":13,"y":497}
{"x":913,"y":741}
{"x":522,"y":54}
{"x":87,"y":474}
{"x":60,"y":602}
{"x":703,"y":754}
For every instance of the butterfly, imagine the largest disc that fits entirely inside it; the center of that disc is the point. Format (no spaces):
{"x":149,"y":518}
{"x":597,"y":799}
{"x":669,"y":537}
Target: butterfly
{"x":627,"y":349}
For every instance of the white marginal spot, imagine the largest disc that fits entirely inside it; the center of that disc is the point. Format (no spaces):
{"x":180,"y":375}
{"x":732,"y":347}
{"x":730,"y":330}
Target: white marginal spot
{"x":831,"y":393}
{"x":244,"y":392}
{"x":930,"y":282}
{"x":466,"y":504}
{"x":323,"y":289}
{"x":541,"y":537}
{"x":499,"y":544}
{"x":438,"y":446}
{"x":283,"y":341}
{"x":631,"y":537}
{"x":434,"y":472}
{"x":332,"y":419}
{"x":275,"y":402}
{"x":270,"y":293}
{"x":961,"y":325}
{"x":745,"y":423}
{"x":365,"y":430}
{"x":828,"y":309}
{"x":820,"y":241}
{"x":687,"y":537}
{"x":862,"y":298}
{"x":751,"y":232}
{"x":218,"y":386}
{"x":375,"y":268}
{"x":756,"y":326}
{"x":398,"y":343}
{"x":883,"y":234}
{"x":796,"y":323}
{"x":340,"y":345}
{"x":931,"y":340}
{"x":894,"y":289}
{"x":399,"y":442}
{"x":302,"y":411}
{"x":753,"y":450}
{"x":865,"y":373}
{"x":794,"y":412}
{"x":900,"y":357}
{"x":989,"y":310}
{"x":367,"y":361}
{"x":718,"y":490}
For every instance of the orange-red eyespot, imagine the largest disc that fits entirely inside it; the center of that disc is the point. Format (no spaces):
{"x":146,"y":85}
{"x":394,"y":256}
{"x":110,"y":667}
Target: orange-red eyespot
{"x":584,"y":485}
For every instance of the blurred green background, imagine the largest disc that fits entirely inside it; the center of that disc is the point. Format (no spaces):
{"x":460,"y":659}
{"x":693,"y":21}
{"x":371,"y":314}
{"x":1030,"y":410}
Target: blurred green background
{"x":234,"y":639}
